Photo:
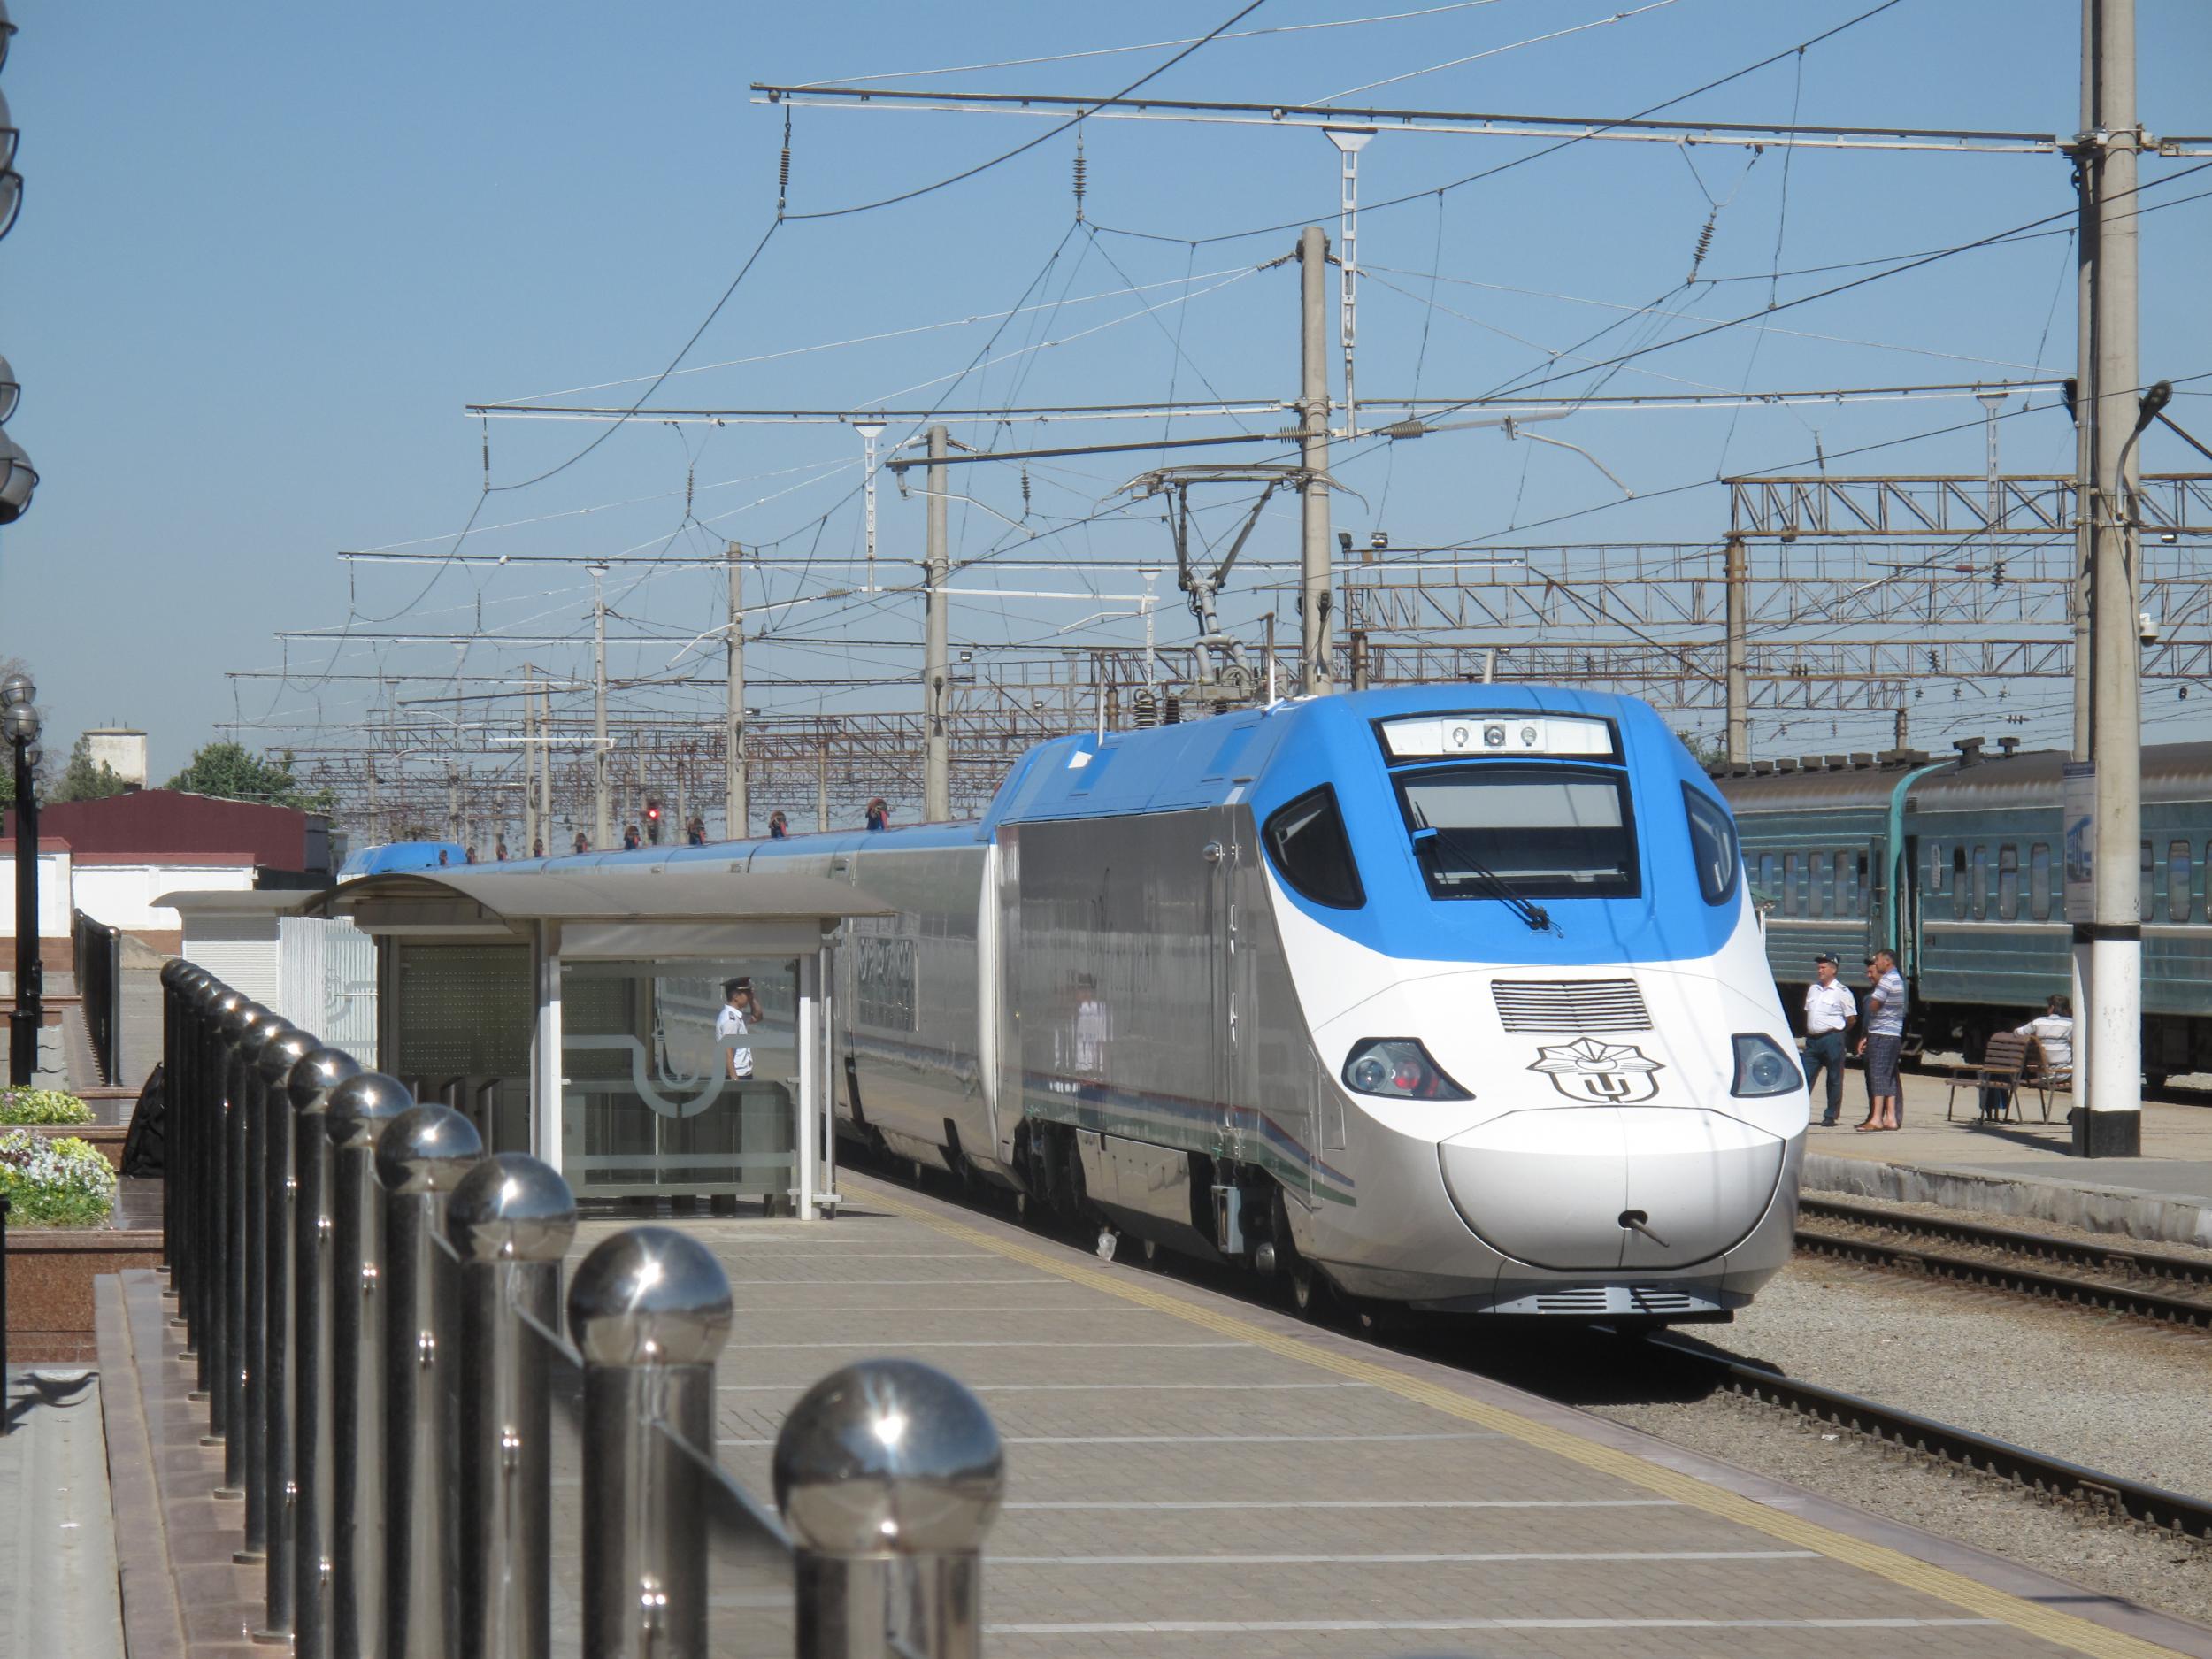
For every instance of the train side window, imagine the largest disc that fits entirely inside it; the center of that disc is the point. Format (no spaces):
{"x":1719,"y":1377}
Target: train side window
{"x":1958,"y":884}
{"x":1823,"y":883}
{"x":2007,"y":883}
{"x":1770,"y":878}
{"x":2039,"y":881}
{"x":2146,"y":889}
{"x":1981,"y":883}
{"x":1712,"y":846}
{"x":1935,"y":873}
{"x":1847,"y":884}
{"x":1307,"y":841}
{"x":2208,"y":881}
{"x":1793,"y":884}
{"x":2177,"y":881}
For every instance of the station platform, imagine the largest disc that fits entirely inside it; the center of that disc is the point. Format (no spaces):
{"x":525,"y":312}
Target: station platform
{"x":1191,"y":1473}
{"x":2023,"y":1168}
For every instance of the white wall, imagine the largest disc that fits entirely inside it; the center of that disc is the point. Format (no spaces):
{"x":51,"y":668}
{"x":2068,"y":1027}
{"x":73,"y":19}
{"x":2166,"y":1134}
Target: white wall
{"x":53,"y":895}
{"x":326,"y":982}
{"x":123,"y":895}
{"x":239,"y":950}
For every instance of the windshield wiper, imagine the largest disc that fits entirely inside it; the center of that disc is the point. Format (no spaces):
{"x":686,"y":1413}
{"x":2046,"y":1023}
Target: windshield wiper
{"x":1535,"y":916}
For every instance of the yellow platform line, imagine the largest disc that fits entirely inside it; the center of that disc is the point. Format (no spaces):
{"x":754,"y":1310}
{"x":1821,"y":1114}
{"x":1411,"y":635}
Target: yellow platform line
{"x":2064,"y":1629}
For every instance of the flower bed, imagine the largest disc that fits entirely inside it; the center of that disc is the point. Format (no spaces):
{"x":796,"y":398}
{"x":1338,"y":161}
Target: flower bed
{"x":56,"y":1182}
{"x":41,"y":1106}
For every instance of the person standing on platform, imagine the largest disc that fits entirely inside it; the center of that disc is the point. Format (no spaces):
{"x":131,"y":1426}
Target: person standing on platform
{"x":1830,"y":1008}
{"x":734,"y":1025}
{"x":1883,"y":1043}
{"x":537,"y":848}
{"x":499,"y":850}
{"x":629,"y":841}
{"x":779,"y":826}
{"x":583,"y":844}
{"x":879,"y":814}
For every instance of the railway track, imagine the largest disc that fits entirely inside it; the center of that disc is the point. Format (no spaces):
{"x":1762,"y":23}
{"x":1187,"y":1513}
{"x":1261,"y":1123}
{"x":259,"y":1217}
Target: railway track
{"x":2053,"y":1478}
{"x":2150,"y":1285}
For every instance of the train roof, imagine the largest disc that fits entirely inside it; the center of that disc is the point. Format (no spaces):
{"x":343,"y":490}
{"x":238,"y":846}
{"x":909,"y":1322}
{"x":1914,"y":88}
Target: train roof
{"x":390,"y":855}
{"x":2172,"y":771}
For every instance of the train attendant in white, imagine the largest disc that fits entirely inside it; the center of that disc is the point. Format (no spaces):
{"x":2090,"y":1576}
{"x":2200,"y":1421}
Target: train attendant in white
{"x":1829,"y":1007}
{"x":732,"y":1026}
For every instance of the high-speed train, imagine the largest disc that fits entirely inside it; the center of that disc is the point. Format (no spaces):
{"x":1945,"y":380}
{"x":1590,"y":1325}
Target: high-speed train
{"x":1450,"y":997}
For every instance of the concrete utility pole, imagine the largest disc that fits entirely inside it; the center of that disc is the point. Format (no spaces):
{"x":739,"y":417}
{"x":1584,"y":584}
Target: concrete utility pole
{"x":1739,"y":688}
{"x":545,"y":765}
{"x":737,"y":809}
{"x":531,"y":738}
{"x":1315,"y":646}
{"x":601,"y":839}
{"x":936,"y":653}
{"x":2112,"y":1125}
{"x":821,"y":786}
{"x":2084,"y":424}
{"x":368,"y":770}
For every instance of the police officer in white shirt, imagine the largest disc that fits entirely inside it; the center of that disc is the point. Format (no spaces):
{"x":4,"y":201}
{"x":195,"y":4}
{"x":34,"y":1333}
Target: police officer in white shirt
{"x":732,"y":1026}
{"x":1829,"y":1007}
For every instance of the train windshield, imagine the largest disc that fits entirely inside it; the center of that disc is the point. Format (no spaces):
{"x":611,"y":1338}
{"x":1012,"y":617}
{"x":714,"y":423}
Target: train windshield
{"x":1547,"y":831}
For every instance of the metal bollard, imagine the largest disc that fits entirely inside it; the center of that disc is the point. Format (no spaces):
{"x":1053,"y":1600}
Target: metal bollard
{"x":278,"y":1056}
{"x":309,"y":1089}
{"x":172,"y":973}
{"x":888,"y":1474}
{"x":421,"y":1156}
{"x":253,"y":1380}
{"x":222,"y":1006}
{"x":649,"y":1309}
{"x":192,"y":1173}
{"x":227,"y":1398}
{"x":358,"y":1110}
{"x":511,"y":1221}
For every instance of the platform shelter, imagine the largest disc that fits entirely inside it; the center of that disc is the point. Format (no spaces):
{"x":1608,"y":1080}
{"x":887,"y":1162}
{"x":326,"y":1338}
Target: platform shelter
{"x":573,"y":1015}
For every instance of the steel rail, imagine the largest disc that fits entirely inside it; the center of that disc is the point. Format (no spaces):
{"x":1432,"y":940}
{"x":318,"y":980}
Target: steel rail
{"x":2188,"y":1270}
{"x":2052,"y":1478}
{"x":2148,"y":1304}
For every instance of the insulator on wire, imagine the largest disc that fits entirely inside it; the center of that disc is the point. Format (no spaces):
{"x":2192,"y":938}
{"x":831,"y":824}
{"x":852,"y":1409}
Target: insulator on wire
{"x":1704,"y":245}
{"x":1024,"y":492}
{"x":1080,"y":176}
{"x":783,"y":166}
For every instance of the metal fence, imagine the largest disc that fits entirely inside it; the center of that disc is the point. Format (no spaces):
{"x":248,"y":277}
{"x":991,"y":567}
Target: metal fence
{"x":96,"y":953}
{"x":431,"y":1465}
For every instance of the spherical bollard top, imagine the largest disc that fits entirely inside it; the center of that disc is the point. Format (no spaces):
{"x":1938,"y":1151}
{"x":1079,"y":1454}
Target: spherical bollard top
{"x":650,"y":1296}
{"x":360,"y":1107}
{"x":315,"y":1074}
{"x":258,"y":1036}
{"x":426,"y":1148}
{"x":219,"y":1002}
{"x":511,"y":1208}
{"x":281,"y":1053}
{"x":236,"y":1019}
{"x":889,"y":1456}
{"x":171,"y":970}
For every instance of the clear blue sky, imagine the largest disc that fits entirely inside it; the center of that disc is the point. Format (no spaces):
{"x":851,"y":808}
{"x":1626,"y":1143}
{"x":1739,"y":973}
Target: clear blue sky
{"x":268,"y":252}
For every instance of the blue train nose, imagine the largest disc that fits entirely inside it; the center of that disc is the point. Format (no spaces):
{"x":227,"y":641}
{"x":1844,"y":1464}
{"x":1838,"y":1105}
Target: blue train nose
{"x":1550,"y":1187}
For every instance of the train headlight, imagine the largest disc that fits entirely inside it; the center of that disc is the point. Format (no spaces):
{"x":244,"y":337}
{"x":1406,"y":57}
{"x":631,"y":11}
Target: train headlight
{"x":1398,"y":1068}
{"x":1765,"y":1067}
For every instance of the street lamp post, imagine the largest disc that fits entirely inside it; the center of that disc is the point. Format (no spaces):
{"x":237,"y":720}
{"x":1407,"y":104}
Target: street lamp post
{"x":19,"y":724}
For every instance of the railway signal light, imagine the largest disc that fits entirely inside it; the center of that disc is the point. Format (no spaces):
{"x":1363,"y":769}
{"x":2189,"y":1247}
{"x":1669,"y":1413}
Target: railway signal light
{"x":653,"y":822}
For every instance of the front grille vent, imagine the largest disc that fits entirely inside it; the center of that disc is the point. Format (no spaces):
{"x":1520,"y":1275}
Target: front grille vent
{"x":1571,"y":1005}
{"x":1652,"y":1299}
{"x":1581,"y":1299}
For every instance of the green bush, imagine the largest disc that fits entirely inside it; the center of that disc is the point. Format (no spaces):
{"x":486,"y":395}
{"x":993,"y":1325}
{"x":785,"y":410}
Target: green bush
{"x":41,"y":1106}
{"x":64,"y":1182}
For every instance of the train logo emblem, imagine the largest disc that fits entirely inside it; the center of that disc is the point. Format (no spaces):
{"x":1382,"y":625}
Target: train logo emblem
{"x":1600,"y":1073}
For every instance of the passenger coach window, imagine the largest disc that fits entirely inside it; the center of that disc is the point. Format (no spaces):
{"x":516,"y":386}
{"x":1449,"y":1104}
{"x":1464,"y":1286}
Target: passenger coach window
{"x":1306,"y":839}
{"x":1794,"y":885}
{"x":2007,"y":883}
{"x":1858,"y":884}
{"x":2177,"y":882}
{"x":1712,"y":846}
{"x":1770,"y":879}
{"x":1958,"y":884}
{"x":2039,"y":881}
{"x":1824,"y":885}
{"x":1981,"y":882}
{"x":2146,"y":893}
{"x":1545,"y":832}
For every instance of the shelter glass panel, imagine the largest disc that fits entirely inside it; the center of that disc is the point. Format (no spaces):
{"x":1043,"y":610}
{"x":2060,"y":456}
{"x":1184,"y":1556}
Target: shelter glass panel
{"x":680,"y":1077}
{"x":458,"y":1029}
{"x":2177,"y":881}
{"x":2039,"y":881}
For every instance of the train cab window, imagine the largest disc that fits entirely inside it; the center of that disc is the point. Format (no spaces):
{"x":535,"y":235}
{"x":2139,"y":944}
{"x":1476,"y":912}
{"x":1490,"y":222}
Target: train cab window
{"x":1545,"y":832}
{"x":1981,"y":883}
{"x":2039,"y":881}
{"x":1712,"y":846}
{"x":1793,"y":884}
{"x":2007,"y":883}
{"x":1306,"y":841}
{"x":2147,"y":887}
{"x":2177,"y":881}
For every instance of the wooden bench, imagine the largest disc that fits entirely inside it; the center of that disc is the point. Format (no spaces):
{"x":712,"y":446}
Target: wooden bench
{"x":2005,"y":1064}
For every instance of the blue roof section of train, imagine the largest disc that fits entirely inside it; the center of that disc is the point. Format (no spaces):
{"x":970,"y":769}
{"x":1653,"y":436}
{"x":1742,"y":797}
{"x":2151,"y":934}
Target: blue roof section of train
{"x":1269,"y":756}
{"x":391,"y":856}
